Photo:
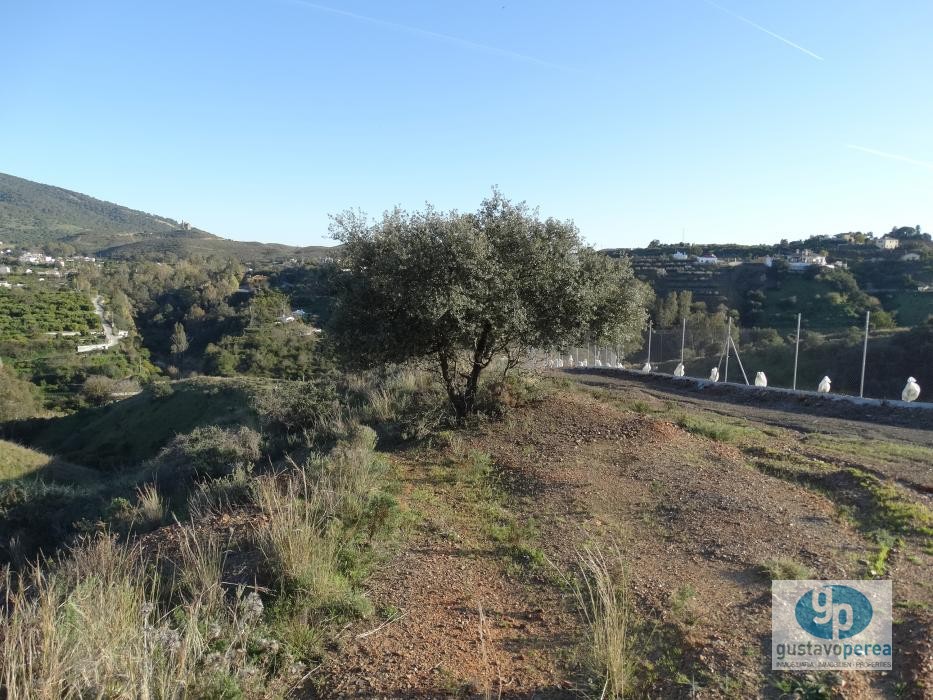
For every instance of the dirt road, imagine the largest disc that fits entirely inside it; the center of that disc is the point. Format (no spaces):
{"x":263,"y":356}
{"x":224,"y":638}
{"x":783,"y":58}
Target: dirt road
{"x":805,"y":414}
{"x":702,"y":500}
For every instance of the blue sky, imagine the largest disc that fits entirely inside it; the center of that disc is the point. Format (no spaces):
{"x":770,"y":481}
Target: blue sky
{"x":737,"y":120}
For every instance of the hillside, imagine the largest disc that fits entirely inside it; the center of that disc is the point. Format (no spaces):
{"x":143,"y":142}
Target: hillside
{"x":759,"y":283}
{"x":130,"y":431}
{"x":34,"y":215}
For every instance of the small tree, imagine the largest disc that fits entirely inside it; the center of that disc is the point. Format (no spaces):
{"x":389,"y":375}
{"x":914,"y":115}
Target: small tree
{"x":179,"y":342}
{"x":18,"y":397}
{"x":459,"y":290}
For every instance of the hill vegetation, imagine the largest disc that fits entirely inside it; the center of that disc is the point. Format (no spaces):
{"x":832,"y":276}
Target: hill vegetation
{"x":33,"y":215}
{"x":293,"y":526}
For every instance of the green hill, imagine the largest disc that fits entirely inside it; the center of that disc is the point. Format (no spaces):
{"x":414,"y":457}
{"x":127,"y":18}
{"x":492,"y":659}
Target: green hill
{"x":17,"y":462}
{"x":62,"y":221}
{"x":127,"y":432}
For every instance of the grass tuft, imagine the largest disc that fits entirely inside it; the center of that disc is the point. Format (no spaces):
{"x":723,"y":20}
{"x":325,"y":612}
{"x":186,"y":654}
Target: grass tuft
{"x":785,"y":570}
{"x":601,"y":595}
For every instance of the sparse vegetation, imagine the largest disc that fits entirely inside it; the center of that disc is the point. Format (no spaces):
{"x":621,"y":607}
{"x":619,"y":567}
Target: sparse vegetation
{"x":601,"y":594}
{"x":785,"y":569}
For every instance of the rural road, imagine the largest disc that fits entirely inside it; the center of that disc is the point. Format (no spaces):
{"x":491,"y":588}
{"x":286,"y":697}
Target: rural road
{"x":110,"y":337}
{"x":803,"y":414}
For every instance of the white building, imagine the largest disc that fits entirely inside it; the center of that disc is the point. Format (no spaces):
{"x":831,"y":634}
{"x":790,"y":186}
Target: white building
{"x":886,"y":243}
{"x":5,"y":270}
{"x":906,"y":257}
{"x":706,"y":259}
{"x":803,"y":260}
{"x":680,"y":255}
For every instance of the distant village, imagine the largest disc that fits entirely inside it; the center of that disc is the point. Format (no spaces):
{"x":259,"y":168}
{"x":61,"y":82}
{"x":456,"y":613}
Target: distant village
{"x":15,"y":262}
{"x":797,"y":261}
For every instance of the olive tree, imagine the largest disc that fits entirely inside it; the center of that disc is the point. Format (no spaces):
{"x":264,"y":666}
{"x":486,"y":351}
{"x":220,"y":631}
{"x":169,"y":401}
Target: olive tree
{"x":459,"y":290}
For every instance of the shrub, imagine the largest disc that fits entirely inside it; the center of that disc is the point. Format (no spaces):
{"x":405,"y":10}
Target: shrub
{"x":220,"y":495}
{"x":162,"y":389}
{"x":18,"y":398}
{"x":211,"y":451}
{"x":97,"y":388}
{"x":302,"y":410}
{"x":37,"y":515}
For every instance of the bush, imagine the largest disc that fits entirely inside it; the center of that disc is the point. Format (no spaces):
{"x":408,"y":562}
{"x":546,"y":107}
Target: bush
{"x":18,"y":398}
{"x":162,"y":389}
{"x":302,"y":410}
{"x":211,"y":452}
{"x":98,"y":388}
{"x":36,"y":515}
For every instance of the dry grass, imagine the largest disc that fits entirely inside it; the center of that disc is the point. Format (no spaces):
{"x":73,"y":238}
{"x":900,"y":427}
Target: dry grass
{"x":150,"y":509}
{"x":201,"y":567}
{"x":92,"y":625}
{"x":600,"y":592}
{"x":295,"y":537}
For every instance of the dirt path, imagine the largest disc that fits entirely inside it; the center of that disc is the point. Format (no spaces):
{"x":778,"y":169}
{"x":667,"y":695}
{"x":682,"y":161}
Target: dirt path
{"x":696,"y":524}
{"x":695,"y":520}
{"x":801,"y":418}
{"x":451,"y":620}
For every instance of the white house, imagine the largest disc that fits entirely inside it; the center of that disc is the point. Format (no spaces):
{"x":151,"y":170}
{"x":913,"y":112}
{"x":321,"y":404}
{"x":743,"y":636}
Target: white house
{"x":5,"y":270}
{"x":706,"y":259}
{"x":803,"y":260}
{"x":886,"y":243}
{"x":906,"y":257}
{"x":680,"y":255}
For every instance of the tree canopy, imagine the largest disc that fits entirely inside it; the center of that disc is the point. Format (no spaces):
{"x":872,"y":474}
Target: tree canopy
{"x":460,"y":290}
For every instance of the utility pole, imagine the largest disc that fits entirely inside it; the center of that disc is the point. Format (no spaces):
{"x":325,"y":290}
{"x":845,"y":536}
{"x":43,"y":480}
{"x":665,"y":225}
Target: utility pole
{"x":796,"y":351}
{"x":861,"y":388}
{"x":728,"y":343}
{"x":650,"y":324}
{"x":683,"y":341}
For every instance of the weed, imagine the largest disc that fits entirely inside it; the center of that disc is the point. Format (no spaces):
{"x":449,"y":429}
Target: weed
{"x":200,"y":567}
{"x":715,"y":429}
{"x":808,"y":687}
{"x":601,"y":595}
{"x":297,"y":540}
{"x":886,"y":543}
{"x":682,"y":607}
{"x":784,"y":569}
{"x":150,"y":510}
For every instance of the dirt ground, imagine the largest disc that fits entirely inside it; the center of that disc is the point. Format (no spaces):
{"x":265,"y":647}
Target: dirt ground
{"x":695,"y":519}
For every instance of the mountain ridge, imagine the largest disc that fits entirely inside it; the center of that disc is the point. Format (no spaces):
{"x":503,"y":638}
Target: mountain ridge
{"x":59,"y":220}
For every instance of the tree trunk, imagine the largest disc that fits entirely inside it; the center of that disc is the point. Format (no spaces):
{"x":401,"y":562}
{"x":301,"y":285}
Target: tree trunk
{"x":457,"y":399}
{"x":464,"y":400}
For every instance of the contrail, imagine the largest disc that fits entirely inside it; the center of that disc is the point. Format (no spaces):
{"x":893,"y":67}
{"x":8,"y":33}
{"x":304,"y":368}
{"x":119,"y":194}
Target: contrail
{"x":892,"y":156}
{"x":763,"y":29}
{"x":465,"y":43}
